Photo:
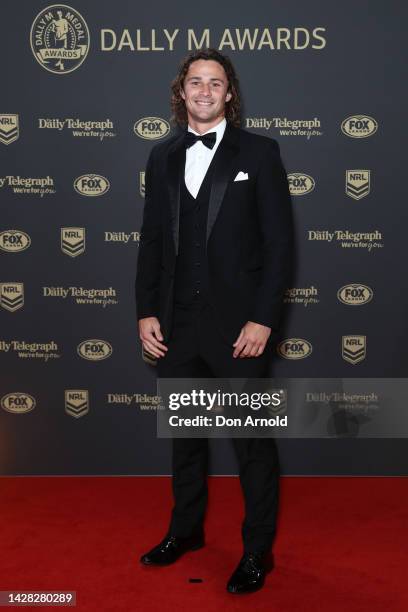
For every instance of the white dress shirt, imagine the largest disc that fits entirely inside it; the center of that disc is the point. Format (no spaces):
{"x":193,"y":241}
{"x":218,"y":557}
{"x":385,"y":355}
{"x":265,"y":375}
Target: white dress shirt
{"x":198,"y":158}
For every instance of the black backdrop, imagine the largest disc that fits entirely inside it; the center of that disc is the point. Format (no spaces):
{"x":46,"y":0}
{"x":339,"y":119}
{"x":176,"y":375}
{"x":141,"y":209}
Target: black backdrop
{"x":332,"y":95}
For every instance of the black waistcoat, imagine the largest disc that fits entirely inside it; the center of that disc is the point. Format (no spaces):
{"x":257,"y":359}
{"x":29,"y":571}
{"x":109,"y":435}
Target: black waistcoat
{"x":191,"y":275}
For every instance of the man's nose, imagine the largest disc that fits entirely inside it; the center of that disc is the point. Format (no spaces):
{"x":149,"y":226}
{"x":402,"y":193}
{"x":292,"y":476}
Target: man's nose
{"x":205,"y":89}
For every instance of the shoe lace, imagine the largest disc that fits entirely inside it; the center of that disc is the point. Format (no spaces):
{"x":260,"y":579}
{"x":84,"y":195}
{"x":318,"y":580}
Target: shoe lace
{"x":167,"y":542}
{"x":251,"y":562}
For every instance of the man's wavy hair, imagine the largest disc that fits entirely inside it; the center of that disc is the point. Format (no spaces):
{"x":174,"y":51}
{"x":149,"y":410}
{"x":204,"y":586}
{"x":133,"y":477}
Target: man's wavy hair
{"x":232,"y":108}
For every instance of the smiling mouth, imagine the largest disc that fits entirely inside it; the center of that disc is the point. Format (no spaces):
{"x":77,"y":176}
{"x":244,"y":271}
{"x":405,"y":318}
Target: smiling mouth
{"x":202,"y":103}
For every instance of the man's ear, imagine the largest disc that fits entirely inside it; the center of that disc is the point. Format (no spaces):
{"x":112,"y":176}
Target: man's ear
{"x":228,"y":96}
{"x":182,"y":94}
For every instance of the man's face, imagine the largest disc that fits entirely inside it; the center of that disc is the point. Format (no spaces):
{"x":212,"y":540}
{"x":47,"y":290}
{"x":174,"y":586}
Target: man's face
{"x":205,"y":91}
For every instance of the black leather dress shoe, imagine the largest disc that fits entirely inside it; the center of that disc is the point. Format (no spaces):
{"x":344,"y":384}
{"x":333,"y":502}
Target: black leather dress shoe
{"x":250,"y":574}
{"x":170,"y":549}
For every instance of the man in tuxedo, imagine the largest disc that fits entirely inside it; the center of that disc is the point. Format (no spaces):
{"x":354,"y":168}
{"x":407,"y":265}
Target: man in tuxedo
{"x":213,"y":264}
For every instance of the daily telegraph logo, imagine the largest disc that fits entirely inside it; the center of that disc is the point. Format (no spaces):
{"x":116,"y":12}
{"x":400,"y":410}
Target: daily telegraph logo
{"x":95,"y":350}
{"x":355,"y":294}
{"x":151,"y":128}
{"x":9,"y":130}
{"x":294,"y":348}
{"x":353,"y":348}
{"x":11,"y":296}
{"x":59,"y":39}
{"x":122,"y":237}
{"x":78,"y":127}
{"x":359,"y":126}
{"x":300,"y":184}
{"x":285,"y":126}
{"x":14,"y":241}
{"x":301,"y":295}
{"x":141,"y":400}
{"x":31,"y":350}
{"x":349,"y":240}
{"x":76,"y":402}
{"x":23,"y":185}
{"x":91,"y":185}
{"x":83,"y":295}
{"x":73,"y":240}
{"x":357,"y":183}
{"x":17,"y":402}
{"x":142,"y":189}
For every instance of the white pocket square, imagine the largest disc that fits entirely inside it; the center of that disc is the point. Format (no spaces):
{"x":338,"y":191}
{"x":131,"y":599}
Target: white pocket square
{"x":241,"y":176}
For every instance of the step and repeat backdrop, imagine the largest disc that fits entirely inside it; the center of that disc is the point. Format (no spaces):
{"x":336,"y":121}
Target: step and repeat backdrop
{"x":85,"y":93}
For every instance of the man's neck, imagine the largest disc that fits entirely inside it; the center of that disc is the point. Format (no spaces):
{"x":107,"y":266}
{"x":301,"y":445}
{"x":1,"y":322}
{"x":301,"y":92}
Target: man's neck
{"x":201,"y":127}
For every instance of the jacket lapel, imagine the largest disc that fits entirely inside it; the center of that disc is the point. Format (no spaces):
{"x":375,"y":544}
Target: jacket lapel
{"x":175,"y":174}
{"x":225,"y":156}
{"x":223,"y":160}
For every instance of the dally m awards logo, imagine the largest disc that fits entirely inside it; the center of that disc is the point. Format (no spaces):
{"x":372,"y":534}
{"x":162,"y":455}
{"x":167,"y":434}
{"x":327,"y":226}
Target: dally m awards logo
{"x":142,"y":184}
{"x":353,"y":348}
{"x":151,"y":128}
{"x":357,"y":183}
{"x":76,"y":402}
{"x":73,"y":240}
{"x":9,"y":130}
{"x":59,"y":39}
{"x":91,"y":185}
{"x":17,"y":402}
{"x":294,"y":348}
{"x":359,"y":126}
{"x":12,"y":296}
{"x":355,"y":294}
{"x":94,"y":350}
{"x":14,"y":241}
{"x":300,"y":184}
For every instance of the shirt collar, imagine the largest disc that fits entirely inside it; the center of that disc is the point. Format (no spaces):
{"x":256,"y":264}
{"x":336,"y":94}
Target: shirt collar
{"x":219,"y":129}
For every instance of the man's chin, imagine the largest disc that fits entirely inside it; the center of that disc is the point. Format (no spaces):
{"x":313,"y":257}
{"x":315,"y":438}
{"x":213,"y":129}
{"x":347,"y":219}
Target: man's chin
{"x":205,"y":117}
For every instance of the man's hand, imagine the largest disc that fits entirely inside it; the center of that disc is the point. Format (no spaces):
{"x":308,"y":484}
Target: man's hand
{"x":151,"y":336}
{"x":252,"y":340}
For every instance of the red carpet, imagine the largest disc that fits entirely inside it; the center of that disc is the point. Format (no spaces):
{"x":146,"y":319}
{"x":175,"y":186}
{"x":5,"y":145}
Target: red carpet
{"x":342,"y":544}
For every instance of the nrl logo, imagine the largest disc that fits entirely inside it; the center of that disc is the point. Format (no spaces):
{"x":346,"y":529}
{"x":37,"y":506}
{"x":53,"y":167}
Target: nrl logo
{"x":357,"y":183}
{"x":59,"y":39}
{"x":353,"y":348}
{"x":11,"y":296}
{"x":73,"y":240}
{"x":9,"y":131}
{"x":76,"y":402}
{"x":142,"y":184}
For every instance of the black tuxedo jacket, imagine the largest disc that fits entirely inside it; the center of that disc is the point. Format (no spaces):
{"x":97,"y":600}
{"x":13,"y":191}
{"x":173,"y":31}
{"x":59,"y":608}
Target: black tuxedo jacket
{"x":249,"y":232}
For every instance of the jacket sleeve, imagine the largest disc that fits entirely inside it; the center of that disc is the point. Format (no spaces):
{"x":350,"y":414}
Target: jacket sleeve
{"x":150,"y":247}
{"x":276,"y":231}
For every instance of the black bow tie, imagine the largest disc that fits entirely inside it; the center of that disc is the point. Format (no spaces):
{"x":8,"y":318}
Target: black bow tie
{"x":207,"y":139}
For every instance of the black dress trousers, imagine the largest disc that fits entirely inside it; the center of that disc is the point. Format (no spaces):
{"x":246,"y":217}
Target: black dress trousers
{"x":197,"y":349}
